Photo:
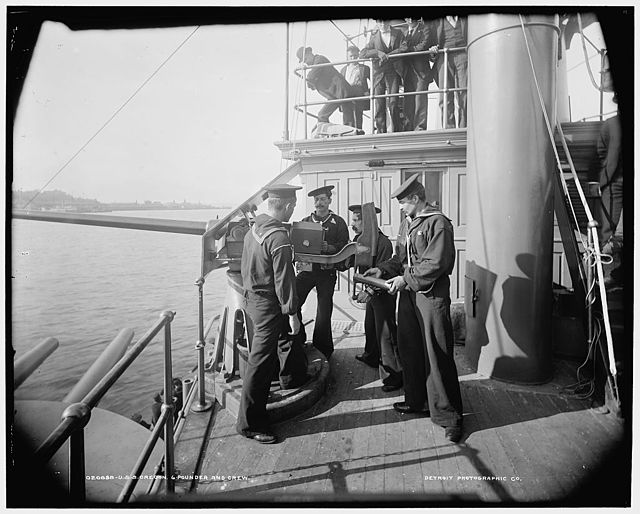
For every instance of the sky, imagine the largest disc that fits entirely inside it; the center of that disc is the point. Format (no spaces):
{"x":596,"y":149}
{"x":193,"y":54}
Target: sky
{"x":202,"y":129}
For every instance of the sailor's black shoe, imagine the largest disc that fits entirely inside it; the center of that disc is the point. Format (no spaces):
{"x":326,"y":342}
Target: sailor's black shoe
{"x":403,"y":408}
{"x":367,"y":360}
{"x":454,"y":434}
{"x":262,"y":437}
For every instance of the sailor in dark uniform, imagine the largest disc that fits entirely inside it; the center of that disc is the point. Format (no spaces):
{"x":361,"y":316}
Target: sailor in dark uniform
{"x":381,"y":340}
{"x":272,"y":304}
{"x":420,"y":268}
{"x":322,"y":277}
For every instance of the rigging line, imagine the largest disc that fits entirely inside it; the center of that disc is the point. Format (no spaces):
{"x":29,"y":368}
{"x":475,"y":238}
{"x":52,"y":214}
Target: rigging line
{"x":582,"y":62}
{"x":296,"y":115}
{"x":110,"y":119}
{"x":348,"y":38}
{"x":584,"y":50}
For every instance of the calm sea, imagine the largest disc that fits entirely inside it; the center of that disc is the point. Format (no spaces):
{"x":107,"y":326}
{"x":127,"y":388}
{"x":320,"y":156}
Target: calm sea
{"x":83,"y":284}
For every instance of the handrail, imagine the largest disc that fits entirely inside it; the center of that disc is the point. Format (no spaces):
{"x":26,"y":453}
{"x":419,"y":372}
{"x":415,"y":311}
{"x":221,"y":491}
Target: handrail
{"x":442,"y":91}
{"x":131,"y":222}
{"x":366,"y":59}
{"x":597,"y":115}
{"x":127,"y":490}
{"x":76,"y":416}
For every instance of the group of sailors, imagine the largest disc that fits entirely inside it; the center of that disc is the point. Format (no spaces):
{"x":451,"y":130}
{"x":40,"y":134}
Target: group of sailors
{"x":414,"y":351}
{"x":413,"y":72}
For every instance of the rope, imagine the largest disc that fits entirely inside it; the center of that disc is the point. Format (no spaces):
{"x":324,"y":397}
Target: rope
{"x":597,"y":254}
{"x":584,"y":50}
{"x":110,"y":119}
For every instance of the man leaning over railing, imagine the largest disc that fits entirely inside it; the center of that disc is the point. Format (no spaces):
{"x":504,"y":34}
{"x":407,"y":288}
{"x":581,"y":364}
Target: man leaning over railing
{"x":330,"y":84}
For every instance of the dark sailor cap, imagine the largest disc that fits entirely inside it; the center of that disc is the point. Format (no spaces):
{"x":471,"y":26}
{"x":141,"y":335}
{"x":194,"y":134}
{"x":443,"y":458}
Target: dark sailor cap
{"x":281,"y":191}
{"x":358,"y":208}
{"x":408,"y":187}
{"x":324,"y":190}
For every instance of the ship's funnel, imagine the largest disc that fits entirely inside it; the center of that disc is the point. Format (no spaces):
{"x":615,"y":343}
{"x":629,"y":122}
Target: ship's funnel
{"x":510,"y":163}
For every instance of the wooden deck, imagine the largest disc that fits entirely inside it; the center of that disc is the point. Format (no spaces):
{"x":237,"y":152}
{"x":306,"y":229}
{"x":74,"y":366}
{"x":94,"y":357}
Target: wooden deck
{"x":520,"y":444}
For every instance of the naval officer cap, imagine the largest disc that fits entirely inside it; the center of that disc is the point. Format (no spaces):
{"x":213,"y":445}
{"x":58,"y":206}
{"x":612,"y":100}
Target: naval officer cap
{"x":324,"y":190}
{"x":408,"y":187}
{"x":358,"y":208}
{"x":282,"y":191}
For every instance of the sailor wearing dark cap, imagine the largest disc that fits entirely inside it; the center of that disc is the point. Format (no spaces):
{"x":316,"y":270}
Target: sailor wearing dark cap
{"x":420,"y":268}
{"x":381,"y":343}
{"x":268,"y":279}
{"x":323,"y":277}
{"x":330,"y":84}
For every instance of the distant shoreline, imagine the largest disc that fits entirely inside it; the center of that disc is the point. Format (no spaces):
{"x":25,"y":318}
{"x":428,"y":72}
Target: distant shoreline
{"x":59,"y":201}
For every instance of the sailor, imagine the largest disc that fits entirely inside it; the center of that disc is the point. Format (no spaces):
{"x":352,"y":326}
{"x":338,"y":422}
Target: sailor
{"x":322,"y":276}
{"x":381,"y":342}
{"x":272,"y":304}
{"x":420,"y":268}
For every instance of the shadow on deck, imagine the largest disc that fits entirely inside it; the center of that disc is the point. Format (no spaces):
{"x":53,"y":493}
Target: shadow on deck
{"x":520,"y":444}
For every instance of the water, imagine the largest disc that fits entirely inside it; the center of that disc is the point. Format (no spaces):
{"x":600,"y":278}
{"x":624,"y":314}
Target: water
{"x":83,"y":284}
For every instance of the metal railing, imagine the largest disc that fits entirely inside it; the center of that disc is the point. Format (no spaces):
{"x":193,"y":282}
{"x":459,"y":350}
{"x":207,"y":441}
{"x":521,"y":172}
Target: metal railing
{"x":76,"y":416}
{"x":371,"y":97}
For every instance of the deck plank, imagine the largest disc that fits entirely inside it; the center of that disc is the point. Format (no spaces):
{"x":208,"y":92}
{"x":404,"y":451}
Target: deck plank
{"x":352,"y":450}
{"x":488,"y":451}
{"x":300,"y":466}
{"x":352,"y":441}
{"x":393,"y":449}
{"x":500,"y":411}
{"x":411,"y":456}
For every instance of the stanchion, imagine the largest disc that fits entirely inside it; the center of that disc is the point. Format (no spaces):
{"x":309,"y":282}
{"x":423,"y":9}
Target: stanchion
{"x":202,"y":404}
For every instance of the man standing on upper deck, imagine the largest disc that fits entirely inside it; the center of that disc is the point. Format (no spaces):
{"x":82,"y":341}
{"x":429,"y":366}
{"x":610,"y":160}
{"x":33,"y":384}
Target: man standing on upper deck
{"x":451,"y":32}
{"x":330,"y":84}
{"x":420,"y":268}
{"x":418,"y":38}
{"x":387,"y":73}
{"x":357,"y":75}
{"x":272,"y":304}
{"x":380,"y":329}
{"x":322,"y":277}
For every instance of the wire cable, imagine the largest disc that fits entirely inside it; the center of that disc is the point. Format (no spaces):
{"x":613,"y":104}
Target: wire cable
{"x":584,"y":50}
{"x":110,"y":119}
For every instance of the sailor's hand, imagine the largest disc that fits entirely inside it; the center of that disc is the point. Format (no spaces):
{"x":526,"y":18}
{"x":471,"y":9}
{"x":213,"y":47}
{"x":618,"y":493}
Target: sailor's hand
{"x":433,"y":49}
{"x":383,"y":57}
{"x":294,"y":323}
{"x":362,"y":249}
{"x":375,"y":272}
{"x":396,"y":284}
